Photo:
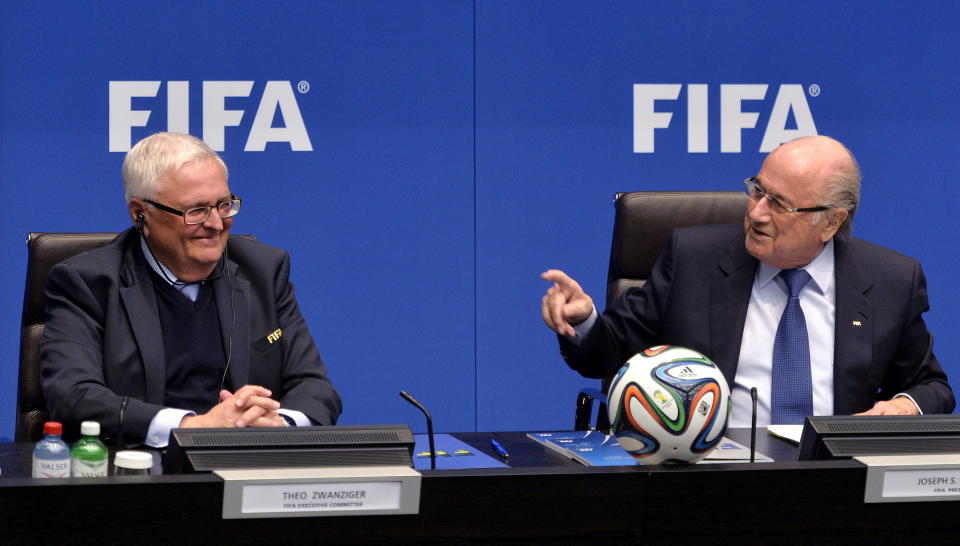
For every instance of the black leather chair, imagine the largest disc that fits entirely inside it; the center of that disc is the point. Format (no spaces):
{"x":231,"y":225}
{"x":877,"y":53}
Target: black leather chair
{"x":44,"y":250}
{"x":642,"y":224}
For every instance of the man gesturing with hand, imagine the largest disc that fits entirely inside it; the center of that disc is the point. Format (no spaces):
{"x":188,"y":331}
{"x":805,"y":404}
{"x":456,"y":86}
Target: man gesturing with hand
{"x":855,"y":308}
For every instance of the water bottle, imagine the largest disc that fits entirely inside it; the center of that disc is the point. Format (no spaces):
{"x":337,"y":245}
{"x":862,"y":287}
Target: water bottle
{"x":51,"y":456}
{"x":89,"y":456}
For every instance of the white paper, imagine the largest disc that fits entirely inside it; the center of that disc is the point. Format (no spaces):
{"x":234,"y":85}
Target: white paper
{"x":728,"y":451}
{"x":787,"y":432}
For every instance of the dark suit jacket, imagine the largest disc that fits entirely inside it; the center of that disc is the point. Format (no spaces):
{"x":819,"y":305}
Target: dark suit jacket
{"x":697,"y":297}
{"x":103,"y":344}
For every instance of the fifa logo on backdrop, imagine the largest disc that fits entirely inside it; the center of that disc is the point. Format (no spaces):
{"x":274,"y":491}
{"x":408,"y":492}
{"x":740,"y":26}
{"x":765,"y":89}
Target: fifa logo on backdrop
{"x":733,"y":119}
{"x":277,"y":95}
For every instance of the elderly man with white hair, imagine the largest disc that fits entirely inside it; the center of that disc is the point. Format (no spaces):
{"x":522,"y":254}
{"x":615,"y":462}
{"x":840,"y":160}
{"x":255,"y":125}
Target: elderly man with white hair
{"x":175,"y":323}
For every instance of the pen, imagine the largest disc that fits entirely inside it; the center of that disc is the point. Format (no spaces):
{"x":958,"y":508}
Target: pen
{"x":499,"y":448}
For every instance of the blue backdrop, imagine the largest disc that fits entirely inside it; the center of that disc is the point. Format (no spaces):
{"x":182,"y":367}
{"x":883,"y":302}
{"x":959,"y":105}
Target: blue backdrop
{"x":457,"y":149}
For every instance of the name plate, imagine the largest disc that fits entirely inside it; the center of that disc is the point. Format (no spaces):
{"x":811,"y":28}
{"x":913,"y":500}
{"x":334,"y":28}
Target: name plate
{"x":311,"y":492}
{"x":912,"y":478}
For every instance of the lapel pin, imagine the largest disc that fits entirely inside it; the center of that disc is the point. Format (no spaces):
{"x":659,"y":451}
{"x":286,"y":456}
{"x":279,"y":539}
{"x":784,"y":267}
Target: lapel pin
{"x":857,"y":323}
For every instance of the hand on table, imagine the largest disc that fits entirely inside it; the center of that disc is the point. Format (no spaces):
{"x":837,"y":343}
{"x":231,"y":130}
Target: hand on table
{"x":900,"y":405}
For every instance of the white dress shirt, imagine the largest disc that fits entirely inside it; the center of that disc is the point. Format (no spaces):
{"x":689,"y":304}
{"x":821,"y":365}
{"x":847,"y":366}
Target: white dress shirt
{"x":768,"y":298}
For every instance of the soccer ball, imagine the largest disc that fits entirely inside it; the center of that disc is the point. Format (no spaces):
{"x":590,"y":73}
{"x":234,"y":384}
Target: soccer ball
{"x":669,"y":404}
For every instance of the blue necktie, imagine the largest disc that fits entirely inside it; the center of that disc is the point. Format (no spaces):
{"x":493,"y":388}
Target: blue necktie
{"x":792,"y":392}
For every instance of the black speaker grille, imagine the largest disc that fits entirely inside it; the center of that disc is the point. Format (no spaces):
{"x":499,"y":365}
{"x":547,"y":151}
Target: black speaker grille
{"x":846,"y":426}
{"x":271,"y":438}
{"x":293,"y":458}
{"x":877,"y":445}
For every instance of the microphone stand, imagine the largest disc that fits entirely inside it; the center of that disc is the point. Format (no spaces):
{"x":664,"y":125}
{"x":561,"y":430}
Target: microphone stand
{"x":433,"y":452}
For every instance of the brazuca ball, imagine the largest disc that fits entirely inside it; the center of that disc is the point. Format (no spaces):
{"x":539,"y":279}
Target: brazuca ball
{"x":669,"y":404}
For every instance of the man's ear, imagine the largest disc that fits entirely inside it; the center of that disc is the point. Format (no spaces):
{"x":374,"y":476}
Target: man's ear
{"x":136,"y":208}
{"x":834,"y":219}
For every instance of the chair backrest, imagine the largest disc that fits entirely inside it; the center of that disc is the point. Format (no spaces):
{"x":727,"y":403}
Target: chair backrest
{"x":641,"y":227}
{"x":44,"y":250}
{"x":644,"y":221}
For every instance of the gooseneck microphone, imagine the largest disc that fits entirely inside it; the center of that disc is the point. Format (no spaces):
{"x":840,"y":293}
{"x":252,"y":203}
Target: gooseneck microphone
{"x":433,"y":452}
{"x":753,"y":424}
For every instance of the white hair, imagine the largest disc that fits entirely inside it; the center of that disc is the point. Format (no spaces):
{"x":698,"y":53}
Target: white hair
{"x":843,"y":192}
{"x":157,"y":155}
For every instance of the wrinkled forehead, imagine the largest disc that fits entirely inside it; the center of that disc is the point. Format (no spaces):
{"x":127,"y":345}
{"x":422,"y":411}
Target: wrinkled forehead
{"x":203,"y":175}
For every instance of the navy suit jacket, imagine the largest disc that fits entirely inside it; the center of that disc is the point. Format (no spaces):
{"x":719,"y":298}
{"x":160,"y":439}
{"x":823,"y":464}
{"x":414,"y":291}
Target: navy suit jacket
{"x":697,"y":297}
{"x":102,"y":345}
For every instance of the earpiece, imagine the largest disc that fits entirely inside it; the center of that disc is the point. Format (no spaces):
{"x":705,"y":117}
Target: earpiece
{"x":141,"y":220}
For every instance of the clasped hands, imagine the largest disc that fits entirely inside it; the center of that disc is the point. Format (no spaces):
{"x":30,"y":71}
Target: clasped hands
{"x":249,"y":406}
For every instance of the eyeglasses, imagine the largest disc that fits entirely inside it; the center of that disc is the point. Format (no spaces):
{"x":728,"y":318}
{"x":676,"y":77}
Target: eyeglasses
{"x":199,"y":215}
{"x":756,"y":192}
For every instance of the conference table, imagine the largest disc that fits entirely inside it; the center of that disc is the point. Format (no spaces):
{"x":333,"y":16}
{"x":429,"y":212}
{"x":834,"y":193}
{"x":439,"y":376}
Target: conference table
{"x":541,"y":497}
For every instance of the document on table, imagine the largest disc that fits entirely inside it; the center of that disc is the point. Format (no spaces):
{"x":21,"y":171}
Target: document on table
{"x":787,"y":432}
{"x":729,"y":451}
{"x":594,"y":448}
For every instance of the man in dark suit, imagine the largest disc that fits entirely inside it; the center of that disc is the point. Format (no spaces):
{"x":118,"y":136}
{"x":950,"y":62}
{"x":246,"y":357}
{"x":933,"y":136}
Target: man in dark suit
{"x":717,"y":289}
{"x":174,"y":323}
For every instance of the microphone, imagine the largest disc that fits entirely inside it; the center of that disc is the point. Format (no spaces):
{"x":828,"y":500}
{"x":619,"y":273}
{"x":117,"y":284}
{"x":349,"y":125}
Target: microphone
{"x":233,"y":321}
{"x":121,"y":443}
{"x":433,"y":453}
{"x":753,"y":424}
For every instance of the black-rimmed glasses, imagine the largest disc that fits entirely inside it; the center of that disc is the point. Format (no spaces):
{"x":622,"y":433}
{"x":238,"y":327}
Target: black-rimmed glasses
{"x":756,"y":192}
{"x":199,"y":215}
